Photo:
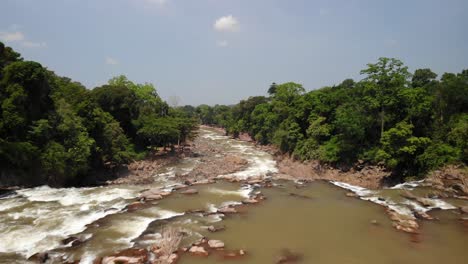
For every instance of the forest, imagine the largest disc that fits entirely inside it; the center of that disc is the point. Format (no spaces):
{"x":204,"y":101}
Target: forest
{"x":55,"y":131}
{"x":410,"y":123}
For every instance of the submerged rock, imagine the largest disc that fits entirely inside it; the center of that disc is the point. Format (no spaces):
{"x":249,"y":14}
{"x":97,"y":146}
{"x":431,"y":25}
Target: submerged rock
{"x":250,"y":201}
{"x":190,"y":191}
{"x":408,"y":195}
{"x":464,"y":209}
{"x":402,"y":222}
{"x":227,"y":210}
{"x":135,"y":206}
{"x":423,"y":215}
{"x":154,"y":194}
{"x":288,"y":257}
{"x":215,"y":244}
{"x":128,"y":256}
{"x":215,"y":229}
{"x":234,"y":254}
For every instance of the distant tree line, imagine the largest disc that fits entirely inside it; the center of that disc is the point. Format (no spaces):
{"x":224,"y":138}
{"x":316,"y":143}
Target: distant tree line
{"x":409,"y":123}
{"x":55,"y":131}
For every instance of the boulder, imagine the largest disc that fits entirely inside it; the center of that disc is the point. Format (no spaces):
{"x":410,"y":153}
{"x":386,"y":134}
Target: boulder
{"x":351,"y":194}
{"x":215,"y":244}
{"x":198,"y":251}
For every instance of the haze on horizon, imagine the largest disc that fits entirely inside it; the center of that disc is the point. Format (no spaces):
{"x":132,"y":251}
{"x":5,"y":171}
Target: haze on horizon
{"x":221,"y":51}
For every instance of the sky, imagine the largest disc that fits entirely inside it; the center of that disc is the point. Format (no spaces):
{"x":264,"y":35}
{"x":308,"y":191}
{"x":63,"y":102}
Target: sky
{"x":222,"y":51}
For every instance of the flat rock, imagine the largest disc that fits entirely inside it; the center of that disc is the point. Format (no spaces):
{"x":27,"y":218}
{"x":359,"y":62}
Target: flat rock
{"x":227,"y":210}
{"x":198,"y":251}
{"x":215,"y":244}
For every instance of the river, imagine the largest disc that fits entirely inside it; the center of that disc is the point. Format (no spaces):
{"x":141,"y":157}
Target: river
{"x":315,"y":222}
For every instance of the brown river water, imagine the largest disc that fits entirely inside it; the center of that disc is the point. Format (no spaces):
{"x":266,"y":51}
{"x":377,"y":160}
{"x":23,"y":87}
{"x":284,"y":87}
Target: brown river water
{"x":314,"y":221}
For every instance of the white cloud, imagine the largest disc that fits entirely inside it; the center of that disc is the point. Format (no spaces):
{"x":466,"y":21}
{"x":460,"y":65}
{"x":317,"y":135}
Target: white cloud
{"x":11,"y":36}
{"x":227,"y":23}
{"x":30,"y":44}
{"x":111,"y":61}
{"x":19,"y":37}
{"x":222,"y":43}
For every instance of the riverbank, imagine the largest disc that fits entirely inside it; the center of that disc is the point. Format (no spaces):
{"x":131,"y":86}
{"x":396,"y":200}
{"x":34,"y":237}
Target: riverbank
{"x":451,"y":179}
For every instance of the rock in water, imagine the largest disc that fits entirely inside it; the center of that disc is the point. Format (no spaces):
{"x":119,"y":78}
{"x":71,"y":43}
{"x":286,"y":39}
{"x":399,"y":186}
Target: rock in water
{"x":227,"y":210}
{"x":215,"y":243}
{"x":198,"y":251}
{"x":190,"y":191}
{"x":464,"y":209}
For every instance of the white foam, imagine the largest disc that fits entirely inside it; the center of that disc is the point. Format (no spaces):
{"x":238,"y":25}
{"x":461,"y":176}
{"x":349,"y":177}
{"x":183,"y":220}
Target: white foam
{"x":242,"y":192}
{"x":71,"y":196}
{"x":407,"y":185}
{"x":356,"y":189}
{"x":56,"y":214}
{"x":403,"y":208}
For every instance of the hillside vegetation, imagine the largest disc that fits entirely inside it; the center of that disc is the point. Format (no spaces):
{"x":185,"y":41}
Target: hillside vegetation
{"x":55,"y":131}
{"x":409,"y":123}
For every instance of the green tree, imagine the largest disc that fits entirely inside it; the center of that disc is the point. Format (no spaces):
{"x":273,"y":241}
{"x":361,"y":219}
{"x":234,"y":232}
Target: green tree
{"x":383,"y":82}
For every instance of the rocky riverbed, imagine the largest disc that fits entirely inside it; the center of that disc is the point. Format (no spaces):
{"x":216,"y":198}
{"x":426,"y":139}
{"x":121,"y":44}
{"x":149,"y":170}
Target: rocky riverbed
{"x":225,"y":200}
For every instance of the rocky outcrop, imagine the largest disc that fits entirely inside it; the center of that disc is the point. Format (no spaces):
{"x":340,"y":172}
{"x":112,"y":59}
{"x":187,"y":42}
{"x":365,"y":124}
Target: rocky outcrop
{"x":403,"y":223}
{"x":451,"y":180}
{"x":370,"y":177}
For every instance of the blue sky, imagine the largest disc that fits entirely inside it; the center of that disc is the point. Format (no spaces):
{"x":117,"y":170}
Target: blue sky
{"x":221,"y":51}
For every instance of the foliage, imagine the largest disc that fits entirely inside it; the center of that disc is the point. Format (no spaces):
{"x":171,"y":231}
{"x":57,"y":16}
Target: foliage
{"x":409,"y":123}
{"x":55,"y":131}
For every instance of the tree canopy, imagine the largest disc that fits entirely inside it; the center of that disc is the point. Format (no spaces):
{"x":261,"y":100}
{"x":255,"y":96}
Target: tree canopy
{"x":55,"y":131}
{"x":409,"y":123}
